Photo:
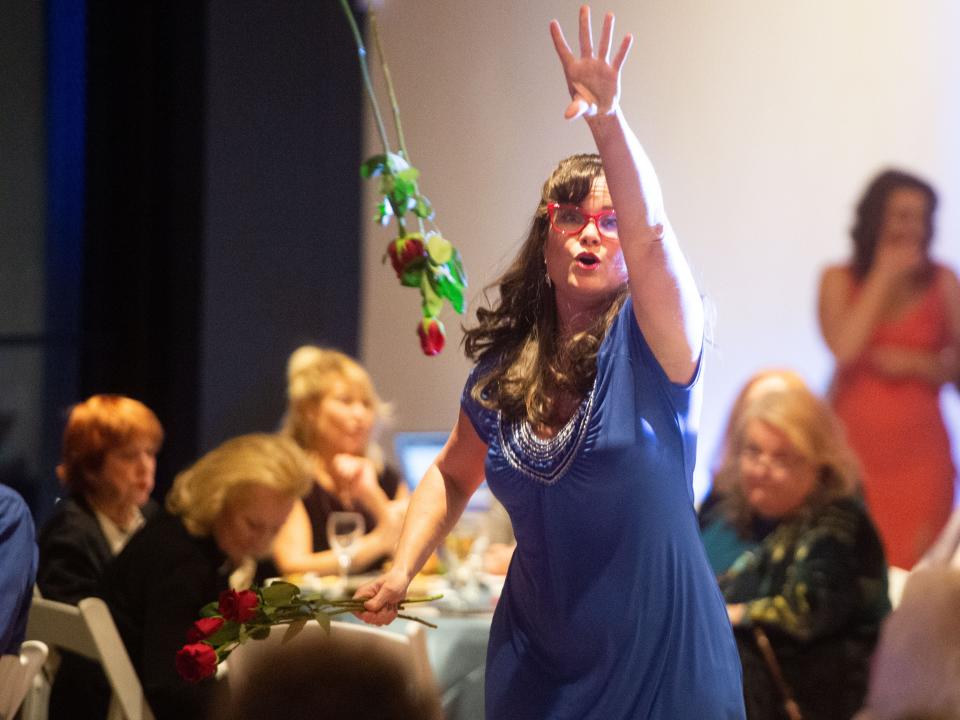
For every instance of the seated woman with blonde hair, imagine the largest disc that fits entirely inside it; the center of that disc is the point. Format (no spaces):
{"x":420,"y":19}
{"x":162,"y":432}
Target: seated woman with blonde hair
{"x":723,"y":540}
{"x":807,"y":602}
{"x":223,"y":514}
{"x":332,"y":410}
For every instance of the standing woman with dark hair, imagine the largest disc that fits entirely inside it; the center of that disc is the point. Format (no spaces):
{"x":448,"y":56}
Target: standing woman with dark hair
{"x":891,"y":317}
{"x":581,"y":412}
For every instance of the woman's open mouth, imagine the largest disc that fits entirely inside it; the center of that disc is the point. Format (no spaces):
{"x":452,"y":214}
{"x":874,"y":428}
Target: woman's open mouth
{"x":587,"y":261}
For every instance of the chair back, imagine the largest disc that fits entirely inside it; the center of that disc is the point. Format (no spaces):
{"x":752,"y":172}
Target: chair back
{"x":408,"y":646}
{"x":87,"y":629}
{"x":16,"y":675}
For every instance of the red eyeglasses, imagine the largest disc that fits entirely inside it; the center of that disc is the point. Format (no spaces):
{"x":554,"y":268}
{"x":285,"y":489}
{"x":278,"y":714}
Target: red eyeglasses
{"x":570,"y":219}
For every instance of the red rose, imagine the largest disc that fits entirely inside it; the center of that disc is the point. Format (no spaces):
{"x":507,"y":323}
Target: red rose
{"x":404,"y":251}
{"x":203,"y":628}
{"x":239,"y":606}
{"x":431,"y":335}
{"x":196,"y":662}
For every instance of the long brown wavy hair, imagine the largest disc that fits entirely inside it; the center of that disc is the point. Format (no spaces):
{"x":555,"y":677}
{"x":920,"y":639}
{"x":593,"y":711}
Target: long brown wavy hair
{"x":529,"y":368}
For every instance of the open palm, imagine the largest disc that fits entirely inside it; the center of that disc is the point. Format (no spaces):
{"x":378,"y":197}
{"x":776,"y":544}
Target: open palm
{"x":593,"y":79}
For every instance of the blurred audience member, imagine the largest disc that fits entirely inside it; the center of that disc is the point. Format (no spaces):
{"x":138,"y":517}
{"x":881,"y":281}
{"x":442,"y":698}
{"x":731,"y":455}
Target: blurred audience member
{"x":18,"y":568}
{"x":724,"y":541}
{"x":222,"y":514}
{"x":333,"y":678}
{"x":332,"y":410}
{"x":891,"y":317}
{"x":815,"y":587}
{"x":915,"y":674}
{"x":107,"y":468}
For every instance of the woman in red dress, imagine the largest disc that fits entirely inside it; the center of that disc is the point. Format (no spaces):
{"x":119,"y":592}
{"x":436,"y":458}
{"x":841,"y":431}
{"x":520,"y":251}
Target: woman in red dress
{"x":891,"y":317}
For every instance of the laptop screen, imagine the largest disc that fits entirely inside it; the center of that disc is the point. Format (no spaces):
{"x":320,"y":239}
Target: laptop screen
{"x":416,"y":451}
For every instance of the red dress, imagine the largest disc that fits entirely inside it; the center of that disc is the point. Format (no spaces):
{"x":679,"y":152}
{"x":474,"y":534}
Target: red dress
{"x":897,"y":430}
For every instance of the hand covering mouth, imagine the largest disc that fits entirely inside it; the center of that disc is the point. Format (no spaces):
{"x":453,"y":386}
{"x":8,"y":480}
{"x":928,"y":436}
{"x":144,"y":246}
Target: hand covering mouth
{"x":587,"y":259}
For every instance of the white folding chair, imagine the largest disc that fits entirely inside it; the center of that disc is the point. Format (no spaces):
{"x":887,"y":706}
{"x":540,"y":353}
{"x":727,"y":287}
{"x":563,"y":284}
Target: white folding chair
{"x":87,"y":629}
{"x":16,"y":675}
{"x":410,"y":647}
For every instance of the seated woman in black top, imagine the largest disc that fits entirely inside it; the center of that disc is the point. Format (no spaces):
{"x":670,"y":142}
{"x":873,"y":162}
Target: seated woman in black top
{"x":332,"y":410}
{"x":223,"y":513}
{"x":108,"y":461}
{"x":815,"y":586}
{"x":107,"y":467}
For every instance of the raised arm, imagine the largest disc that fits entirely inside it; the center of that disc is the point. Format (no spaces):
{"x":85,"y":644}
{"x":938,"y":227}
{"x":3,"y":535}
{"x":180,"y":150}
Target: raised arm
{"x":435,"y":506}
{"x":667,"y":304}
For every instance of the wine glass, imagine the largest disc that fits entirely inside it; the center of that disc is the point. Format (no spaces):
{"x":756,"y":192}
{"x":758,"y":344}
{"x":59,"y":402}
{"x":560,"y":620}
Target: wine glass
{"x":463,"y":547}
{"x":344,"y":530}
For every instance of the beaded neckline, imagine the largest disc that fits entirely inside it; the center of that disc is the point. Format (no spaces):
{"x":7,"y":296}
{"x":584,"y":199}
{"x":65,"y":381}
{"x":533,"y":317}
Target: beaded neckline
{"x":544,"y":460}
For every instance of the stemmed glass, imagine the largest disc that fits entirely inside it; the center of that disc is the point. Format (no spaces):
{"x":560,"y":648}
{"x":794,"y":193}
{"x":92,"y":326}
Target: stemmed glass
{"x":344,"y":530}
{"x":464,"y":548}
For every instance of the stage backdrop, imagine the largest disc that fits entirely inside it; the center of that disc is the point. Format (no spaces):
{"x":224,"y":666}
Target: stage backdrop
{"x":764,"y":121}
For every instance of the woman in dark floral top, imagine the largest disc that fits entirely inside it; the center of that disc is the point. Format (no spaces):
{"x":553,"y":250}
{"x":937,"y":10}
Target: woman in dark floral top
{"x":815,"y":587}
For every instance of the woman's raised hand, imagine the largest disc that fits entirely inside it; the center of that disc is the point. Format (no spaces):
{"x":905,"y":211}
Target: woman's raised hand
{"x":593,"y":79}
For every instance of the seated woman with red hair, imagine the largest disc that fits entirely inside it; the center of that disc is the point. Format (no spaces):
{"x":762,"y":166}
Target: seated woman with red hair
{"x":107,"y":468}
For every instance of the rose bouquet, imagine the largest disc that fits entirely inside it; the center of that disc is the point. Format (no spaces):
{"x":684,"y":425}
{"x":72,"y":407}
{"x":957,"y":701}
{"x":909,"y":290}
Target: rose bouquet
{"x":421,"y":258}
{"x":239,"y":616}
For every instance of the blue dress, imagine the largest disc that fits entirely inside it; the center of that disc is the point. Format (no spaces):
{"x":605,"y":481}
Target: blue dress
{"x":610,"y":609}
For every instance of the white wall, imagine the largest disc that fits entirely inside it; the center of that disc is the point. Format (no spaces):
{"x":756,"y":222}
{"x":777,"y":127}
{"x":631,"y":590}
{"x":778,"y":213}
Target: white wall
{"x":764,"y":120}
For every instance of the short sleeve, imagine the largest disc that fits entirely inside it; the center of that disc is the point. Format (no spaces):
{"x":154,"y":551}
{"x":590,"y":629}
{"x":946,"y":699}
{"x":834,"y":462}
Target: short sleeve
{"x":625,"y":336}
{"x":483,"y":419}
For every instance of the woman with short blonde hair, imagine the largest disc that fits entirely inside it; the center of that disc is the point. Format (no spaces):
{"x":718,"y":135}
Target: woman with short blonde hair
{"x":200,"y":492}
{"x":223,"y":514}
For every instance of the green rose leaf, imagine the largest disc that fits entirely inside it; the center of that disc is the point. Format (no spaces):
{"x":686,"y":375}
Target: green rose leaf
{"x":384,"y":212}
{"x":439,"y":249}
{"x":211,"y":609}
{"x":432,"y":302}
{"x":413,"y":275}
{"x":409,"y":175}
{"x":279,"y":593}
{"x":449,"y":288}
{"x":456,"y":269}
{"x":228,"y":633}
{"x":373,"y":166}
{"x":422,"y":208}
{"x":323,"y":619}
{"x":293,"y":629}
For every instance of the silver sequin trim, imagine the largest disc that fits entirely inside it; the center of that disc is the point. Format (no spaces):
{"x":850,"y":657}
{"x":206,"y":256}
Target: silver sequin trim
{"x":561,"y":449}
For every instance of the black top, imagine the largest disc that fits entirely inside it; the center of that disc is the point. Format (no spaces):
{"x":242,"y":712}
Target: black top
{"x":155,"y":589}
{"x":74,"y":552}
{"x":74,"y":555}
{"x":319,"y":504}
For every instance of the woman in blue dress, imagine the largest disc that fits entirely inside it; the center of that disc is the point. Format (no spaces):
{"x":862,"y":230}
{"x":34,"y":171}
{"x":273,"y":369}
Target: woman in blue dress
{"x":581,"y":413}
